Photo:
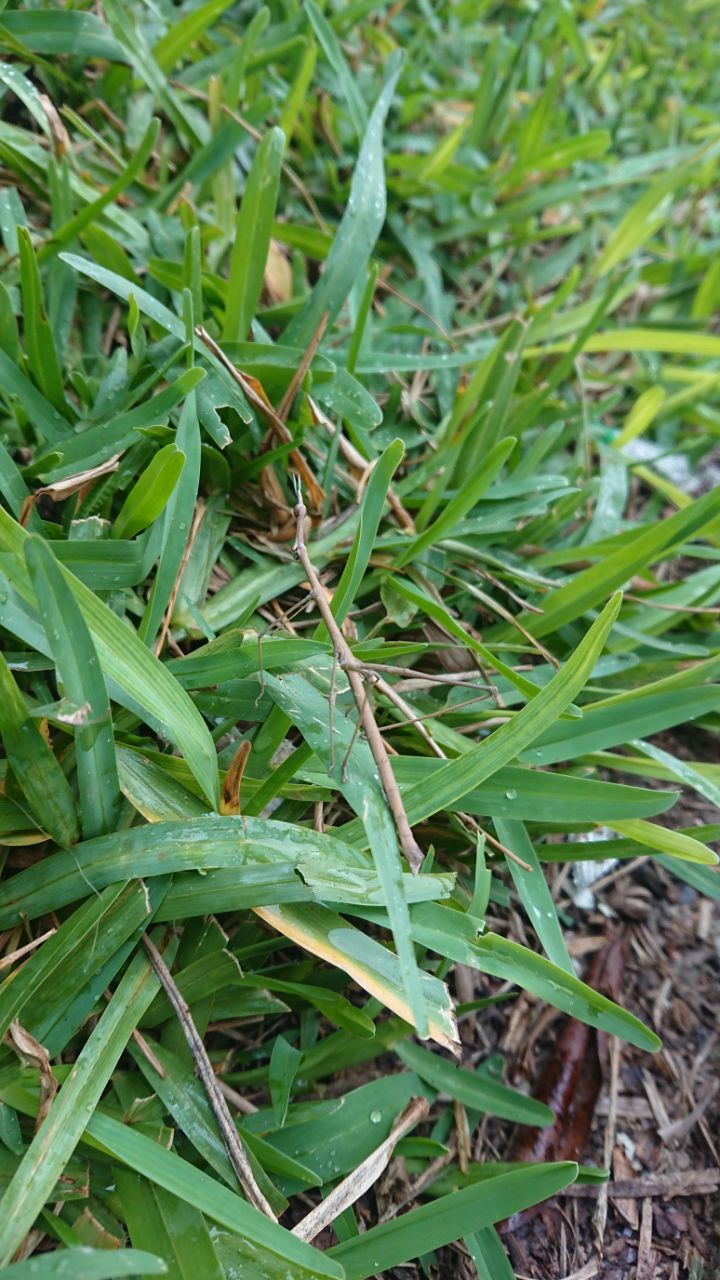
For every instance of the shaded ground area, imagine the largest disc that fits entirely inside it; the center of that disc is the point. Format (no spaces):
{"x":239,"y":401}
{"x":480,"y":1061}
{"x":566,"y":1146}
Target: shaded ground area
{"x":666,"y":1107}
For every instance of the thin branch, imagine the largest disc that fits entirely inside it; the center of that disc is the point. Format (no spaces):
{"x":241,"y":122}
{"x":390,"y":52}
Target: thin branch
{"x":470,"y":821}
{"x":354,"y":738}
{"x":504,"y":849}
{"x":331,"y":711}
{"x":435,"y":715}
{"x":240,"y":1103}
{"x":425,"y":677}
{"x":384,"y":687}
{"x":203,"y":1066}
{"x":671,"y":608}
{"x":408,"y":844}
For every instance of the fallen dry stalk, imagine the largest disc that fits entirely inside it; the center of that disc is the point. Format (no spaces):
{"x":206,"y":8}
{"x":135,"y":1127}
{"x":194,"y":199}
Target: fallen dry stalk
{"x":362,"y":1178}
{"x":341,"y":648}
{"x":228,"y":1131}
{"x":13,"y":956}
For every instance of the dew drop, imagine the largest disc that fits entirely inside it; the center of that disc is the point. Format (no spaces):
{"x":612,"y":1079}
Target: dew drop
{"x":511,"y":794}
{"x":375,"y":1117}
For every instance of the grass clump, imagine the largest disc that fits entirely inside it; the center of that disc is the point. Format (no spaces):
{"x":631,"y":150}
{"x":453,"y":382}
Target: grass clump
{"x":443,"y":276}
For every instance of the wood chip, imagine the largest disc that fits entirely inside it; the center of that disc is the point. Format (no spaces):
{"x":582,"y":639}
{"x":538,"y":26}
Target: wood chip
{"x":646,"y":1257}
{"x":698,"y":1182}
{"x":587,"y":1272}
{"x":680,"y":1128}
{"x":600,"y":1215}
{"x":623,"y":1170}
{"x":705,"y":919}
{"x":659,"y":1109}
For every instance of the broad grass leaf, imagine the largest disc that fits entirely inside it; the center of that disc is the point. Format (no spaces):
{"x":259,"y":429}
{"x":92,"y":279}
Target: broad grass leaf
{"x":175,"y":1230}
{"x":444,"y":1220}
{"x":252,"y":237}
{"x":85,"y":1263}
{"x":44,"y":786}
{"x":197,"y":844}
{"x":360,"y":227}
{"x":134,"y":676}
{"x":457,"y":936}
{"x":77,"y":666}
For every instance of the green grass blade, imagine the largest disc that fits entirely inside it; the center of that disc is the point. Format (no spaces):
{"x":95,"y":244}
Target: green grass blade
{"x":534,"y":893}
{"x":456,"y":935}
{"x":252,"y":236}
{"x":38,"y":773}
{"x":39,"y":342}
{"x":197,"y":844}
{"x":444,"y":1220}
{"x":151,"y":493}
{"x":667,"y":841}
{"x":347,"y":84}
{"x":487,"y":1253}
{"x":91,"y":211}
{"x":74,"y":1105}
{"x":473,"y":1089}
{"x":172,"y":1228}
{"x":77,"y":665}
{"x":463,"y":502}
{"x":360,"y":227}
{"x":457,"y":777}
{"x":360,"y":784}
{"x":84,"y":1263}
{"x":134,"y":675}
{"x":60,"y":952}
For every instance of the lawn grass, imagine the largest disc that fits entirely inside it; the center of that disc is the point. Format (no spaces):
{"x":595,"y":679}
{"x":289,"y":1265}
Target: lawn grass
{"x":446,"y":276}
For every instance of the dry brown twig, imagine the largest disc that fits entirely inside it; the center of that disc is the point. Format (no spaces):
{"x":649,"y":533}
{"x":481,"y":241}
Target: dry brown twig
{"x":13,"y":956}
{"x":408,"y":843}
{"x":228,"y":1131}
